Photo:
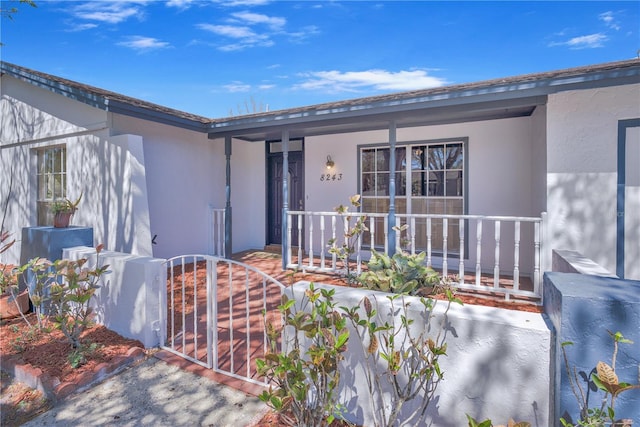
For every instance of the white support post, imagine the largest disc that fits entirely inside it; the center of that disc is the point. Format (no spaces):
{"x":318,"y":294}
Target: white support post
{"x":322,"y":244}
{"x":214,"y":309}
{"x":516,"y":256}
{"x":413,"y":235}
{"x":536,"y":261}
{"x":333,"y":238}
{"x":300,"y":260}
{"x":496,"y":267}
{"x":386,"y":234}
{"x":445,"y":237}
{"x":310,"y":241}
{"x":372,"y":232}
{"x":429,"y":242}
{"x":461,"y":251}
{"x":479,"y":253}
{"x":398,"y":234}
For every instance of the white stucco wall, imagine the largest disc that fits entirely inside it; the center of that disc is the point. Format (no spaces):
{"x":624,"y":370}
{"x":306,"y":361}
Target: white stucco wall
{"x":582,"y":168}
{"x":497,"y":362}
{"x":109,"y":171}
{"x":127,"y":300}
{"x":248,"y":188}
{"x":185,"y":173}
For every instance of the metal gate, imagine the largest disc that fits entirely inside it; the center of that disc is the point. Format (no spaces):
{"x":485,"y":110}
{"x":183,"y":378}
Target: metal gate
{"x":213,"y":312}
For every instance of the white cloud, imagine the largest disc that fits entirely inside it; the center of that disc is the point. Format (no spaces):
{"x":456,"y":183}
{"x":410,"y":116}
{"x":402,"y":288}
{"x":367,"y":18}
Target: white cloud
{"x":274,"y":22}
{"x":245,"y":37}
{"x":233,"y":3}
{"x":266,"y":86}
{"x":609,"y":20}
{"x":180,"y":4}
{"x":237,"y":87}
{"x":308,"y":31}
{"x":143,"y":44}
{"x":380,"y":80}
{"x":111,"y":12}
{"x":584,"y":42}
{"x":82,"y":27}
{"x":229,"y":31}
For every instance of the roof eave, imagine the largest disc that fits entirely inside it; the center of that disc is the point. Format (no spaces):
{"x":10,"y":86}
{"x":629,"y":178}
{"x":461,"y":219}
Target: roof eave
{"x":105,"y":103}
{"x":527,"y":88}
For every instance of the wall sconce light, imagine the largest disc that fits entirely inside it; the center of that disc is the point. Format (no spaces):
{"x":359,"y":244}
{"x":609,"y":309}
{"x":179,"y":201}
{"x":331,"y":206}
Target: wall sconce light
{"x":330,"y":162}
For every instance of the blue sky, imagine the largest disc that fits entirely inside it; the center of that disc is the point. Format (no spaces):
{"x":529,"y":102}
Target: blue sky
{"x":218,"y":58}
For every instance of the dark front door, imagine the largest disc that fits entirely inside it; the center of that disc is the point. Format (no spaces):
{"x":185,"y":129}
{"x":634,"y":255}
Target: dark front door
{"x":275,"y":175}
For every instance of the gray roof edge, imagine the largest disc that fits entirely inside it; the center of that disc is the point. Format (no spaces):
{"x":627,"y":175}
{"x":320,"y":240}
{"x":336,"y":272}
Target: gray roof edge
{"x":530,"y":85}
{"x":523,"y":86}
{"x":106,"y":100}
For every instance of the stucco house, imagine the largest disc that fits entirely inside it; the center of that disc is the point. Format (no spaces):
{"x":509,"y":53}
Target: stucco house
{"x":489,"y":176}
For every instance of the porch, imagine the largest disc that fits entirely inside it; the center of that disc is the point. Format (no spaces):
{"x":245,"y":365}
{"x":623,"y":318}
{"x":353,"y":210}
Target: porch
{"x":500,"y":257}
{"x":492,"y":256}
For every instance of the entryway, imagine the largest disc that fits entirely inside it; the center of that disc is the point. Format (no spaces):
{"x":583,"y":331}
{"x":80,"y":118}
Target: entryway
{"x":275,"y":177}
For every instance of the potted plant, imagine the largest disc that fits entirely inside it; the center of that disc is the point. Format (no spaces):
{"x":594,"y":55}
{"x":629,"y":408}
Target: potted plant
{"x":12,"y":303}
{"x":63,"y":210}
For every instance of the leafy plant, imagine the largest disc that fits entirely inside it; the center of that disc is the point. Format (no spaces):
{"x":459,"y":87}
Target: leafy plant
{"x":399,"y":358}
{"x":351,"y":236}
{"x":489,"y":423}
{"x":304,"y":374}
{"x":78,"y":356}
{"x":605,"y":379}
{"x":401,"y":274}
{"x":66,"y":205}
{"x":64,"y":289}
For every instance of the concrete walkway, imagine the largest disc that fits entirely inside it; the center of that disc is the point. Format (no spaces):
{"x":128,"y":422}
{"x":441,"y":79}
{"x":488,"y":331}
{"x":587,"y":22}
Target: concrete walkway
{"x":155,"y":393}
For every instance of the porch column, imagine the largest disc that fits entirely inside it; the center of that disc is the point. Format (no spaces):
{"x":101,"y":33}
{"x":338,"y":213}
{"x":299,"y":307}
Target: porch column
{"x":391,"y":232}
{"x":285,"y":196}
{"x":227,"y":208}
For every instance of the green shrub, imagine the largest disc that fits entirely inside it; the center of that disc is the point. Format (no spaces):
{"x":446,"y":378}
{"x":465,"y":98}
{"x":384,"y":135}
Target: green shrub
{"x":400,"y":274}
{"x":304,"y":373}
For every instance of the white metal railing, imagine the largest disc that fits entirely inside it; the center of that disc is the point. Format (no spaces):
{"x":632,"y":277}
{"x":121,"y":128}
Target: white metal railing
{"x":497,"y":254}
{"x":209,"y":311}
{"x":216,"y":231}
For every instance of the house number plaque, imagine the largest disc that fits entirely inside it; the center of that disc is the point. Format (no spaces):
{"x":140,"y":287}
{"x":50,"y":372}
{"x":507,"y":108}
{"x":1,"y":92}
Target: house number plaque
{"x":328,"y":177}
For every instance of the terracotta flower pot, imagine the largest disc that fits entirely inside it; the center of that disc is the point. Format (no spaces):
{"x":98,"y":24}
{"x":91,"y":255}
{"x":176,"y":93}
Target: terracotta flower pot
{"x":8,"y":307}
{"x":62,"y":219}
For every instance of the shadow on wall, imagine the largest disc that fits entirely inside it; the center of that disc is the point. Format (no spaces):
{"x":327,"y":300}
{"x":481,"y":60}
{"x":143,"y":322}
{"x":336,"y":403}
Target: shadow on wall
{"x":582,"y":215}
{"x":18,"y":192}
{"x":491,"y":354}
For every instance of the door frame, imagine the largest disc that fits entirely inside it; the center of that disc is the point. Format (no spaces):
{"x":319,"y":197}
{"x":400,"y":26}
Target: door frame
{"x":623,"y":125}
{"x":268,"y":199}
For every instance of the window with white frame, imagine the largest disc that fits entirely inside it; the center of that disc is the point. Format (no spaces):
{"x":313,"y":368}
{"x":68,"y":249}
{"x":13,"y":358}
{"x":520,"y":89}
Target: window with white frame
{"x":435,"y":171}
{"x":52,"y":181}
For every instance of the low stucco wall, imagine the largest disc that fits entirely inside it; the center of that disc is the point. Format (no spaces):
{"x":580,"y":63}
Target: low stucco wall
{"x":497,"y":364}
{"x":565,"y":261}
{"x":128,"y":300}
{"x":582,"y":308}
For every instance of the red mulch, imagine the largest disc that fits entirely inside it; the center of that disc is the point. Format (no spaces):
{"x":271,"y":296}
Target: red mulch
{"x":48,"y":351}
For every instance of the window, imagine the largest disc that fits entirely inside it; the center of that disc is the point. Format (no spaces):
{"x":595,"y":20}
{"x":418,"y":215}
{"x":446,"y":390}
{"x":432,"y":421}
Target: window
{"x":436,"y":174}
{"x":52,"y":181}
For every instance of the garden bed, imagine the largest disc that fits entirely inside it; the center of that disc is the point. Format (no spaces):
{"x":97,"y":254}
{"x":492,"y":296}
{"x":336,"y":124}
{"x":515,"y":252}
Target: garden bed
{"x":40,"y":359}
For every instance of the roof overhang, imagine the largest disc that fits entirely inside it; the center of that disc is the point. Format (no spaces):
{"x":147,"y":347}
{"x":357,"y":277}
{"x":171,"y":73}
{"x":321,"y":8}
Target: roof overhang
{"x":496,"y":99}
{"x":322,"y":122}
{"x":516,"y":96}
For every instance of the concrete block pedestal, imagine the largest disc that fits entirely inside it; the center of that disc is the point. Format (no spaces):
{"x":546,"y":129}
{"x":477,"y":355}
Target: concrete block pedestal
{"x":48,"y":242}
